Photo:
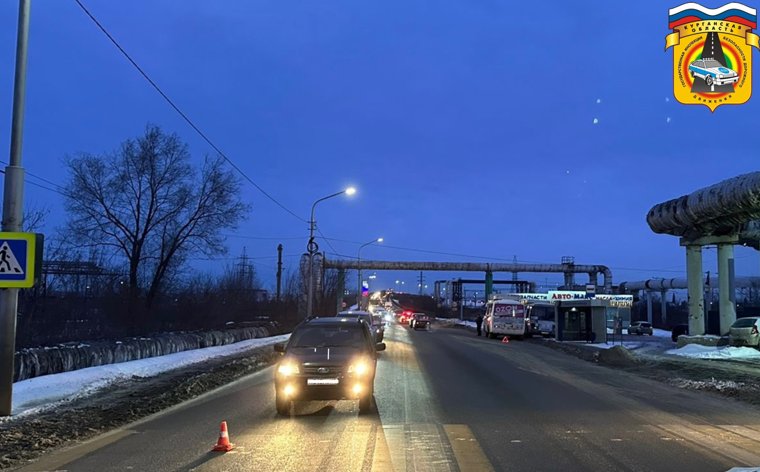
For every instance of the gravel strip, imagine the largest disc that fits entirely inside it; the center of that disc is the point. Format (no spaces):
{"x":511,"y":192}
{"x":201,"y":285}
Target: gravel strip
{"x":28,"y":437}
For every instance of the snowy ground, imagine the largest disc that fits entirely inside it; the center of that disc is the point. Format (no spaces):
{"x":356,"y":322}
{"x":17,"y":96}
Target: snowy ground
{"x":697,"y":351}
{"x":41,"y":393}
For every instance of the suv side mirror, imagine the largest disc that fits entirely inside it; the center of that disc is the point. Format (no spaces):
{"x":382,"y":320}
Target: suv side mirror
{"x":380,"y":347}
{"x":279,"y":347}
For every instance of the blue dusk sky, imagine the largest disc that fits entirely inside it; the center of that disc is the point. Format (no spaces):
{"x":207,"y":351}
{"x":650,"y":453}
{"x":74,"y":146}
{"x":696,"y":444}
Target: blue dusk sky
{"x":470,"y":127}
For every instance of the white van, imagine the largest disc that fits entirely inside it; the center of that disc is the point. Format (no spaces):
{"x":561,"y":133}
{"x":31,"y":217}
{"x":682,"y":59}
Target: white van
{"x":506,"y":318}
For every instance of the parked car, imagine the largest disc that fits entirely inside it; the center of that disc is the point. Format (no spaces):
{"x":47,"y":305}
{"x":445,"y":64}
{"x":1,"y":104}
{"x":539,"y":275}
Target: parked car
{"x":744,"y":332}
{"x":327,"y":359}
{"x":678,"y":330}
{"x":640,"y":328}
{"x":542,"y":327}
{"x":420,"y":321}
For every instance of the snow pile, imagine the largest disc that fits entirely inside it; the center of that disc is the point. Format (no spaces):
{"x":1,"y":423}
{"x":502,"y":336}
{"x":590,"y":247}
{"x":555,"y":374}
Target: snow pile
{"x":712,"y":384}
{"x":42,"y":392}
{"x":609,"y":345}
{"x":661,"y":333}
{"x":697,"y":351}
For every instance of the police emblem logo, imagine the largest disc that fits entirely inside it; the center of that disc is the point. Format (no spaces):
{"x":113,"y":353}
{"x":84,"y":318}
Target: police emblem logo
{"x":712,"y":53}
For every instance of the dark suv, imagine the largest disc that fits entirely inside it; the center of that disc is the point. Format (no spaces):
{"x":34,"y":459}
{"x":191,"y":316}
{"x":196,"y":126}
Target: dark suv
{"x":327,"y":359}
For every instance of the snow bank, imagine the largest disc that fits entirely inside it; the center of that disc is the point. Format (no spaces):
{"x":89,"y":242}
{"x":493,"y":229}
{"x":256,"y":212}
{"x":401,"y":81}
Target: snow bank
{"x":66,"y":357}
{"x":697,"y":351}
{"x":627,"y":345}
{"x":43,"y":392}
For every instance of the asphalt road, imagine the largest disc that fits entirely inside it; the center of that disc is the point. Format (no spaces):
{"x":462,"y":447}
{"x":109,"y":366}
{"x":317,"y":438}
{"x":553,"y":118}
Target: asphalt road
{"x":447,"y":401}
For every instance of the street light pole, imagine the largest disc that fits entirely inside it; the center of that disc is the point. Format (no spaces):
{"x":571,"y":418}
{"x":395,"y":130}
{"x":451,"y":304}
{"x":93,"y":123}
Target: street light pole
{"x":359,"y":270}
{"x":312,"y":247}
{"x":13,"y":212}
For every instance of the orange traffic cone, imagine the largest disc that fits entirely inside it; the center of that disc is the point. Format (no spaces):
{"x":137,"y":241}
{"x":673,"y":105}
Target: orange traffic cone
{"x":223,"y":444}
{"x":505,"y":340}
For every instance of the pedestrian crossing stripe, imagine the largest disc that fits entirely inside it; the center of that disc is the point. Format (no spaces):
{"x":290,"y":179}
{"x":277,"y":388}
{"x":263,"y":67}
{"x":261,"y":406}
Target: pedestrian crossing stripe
{"x":8,"y":261}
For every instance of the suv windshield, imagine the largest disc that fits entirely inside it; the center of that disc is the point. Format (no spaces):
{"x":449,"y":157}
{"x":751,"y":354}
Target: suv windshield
{"x":744,"y":323}
{"x":328,"y":336}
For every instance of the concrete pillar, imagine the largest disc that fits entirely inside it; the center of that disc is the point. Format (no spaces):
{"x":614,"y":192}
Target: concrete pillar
{"x":569,"y":280}
{"x":649,"y":306}
{"x":726,"y":291}
{"x":695,"y":287}
{"x":489,"y":284}
{"x":340,"y":288}
{"x":664,"y":308}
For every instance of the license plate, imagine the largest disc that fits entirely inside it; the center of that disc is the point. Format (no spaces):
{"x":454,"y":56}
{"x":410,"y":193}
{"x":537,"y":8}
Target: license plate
{"x":321,"y":381}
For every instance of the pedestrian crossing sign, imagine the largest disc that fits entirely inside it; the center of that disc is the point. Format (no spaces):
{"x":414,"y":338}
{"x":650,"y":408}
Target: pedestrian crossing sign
{"x":17,"y":259}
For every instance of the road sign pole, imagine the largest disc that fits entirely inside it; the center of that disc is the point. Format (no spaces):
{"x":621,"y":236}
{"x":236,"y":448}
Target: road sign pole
{"x":13,"y":198}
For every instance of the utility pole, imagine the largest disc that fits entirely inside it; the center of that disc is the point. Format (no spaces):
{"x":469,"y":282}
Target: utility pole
{"x":13,"y":211}
{"x":514,"y":274}
{"x":279,"y":270}
{"x":421,"y":282}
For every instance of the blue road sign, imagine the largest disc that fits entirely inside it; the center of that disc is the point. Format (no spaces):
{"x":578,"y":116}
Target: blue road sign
{"x":17,"y":260}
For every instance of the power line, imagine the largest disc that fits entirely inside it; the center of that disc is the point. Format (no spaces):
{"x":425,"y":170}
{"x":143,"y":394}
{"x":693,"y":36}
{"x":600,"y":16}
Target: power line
{"x":39,"y":185}
{"x":326,"y":240}
{"x":181,"y":113}
{"x":263,"y":238}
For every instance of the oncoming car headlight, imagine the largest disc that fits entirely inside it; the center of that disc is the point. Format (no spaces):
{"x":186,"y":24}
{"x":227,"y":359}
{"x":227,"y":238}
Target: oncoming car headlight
{"x":288,"y":368}
{"x":359,"y":368}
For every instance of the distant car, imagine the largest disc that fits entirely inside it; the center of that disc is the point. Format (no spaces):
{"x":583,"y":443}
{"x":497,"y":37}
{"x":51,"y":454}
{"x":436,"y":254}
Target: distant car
{"x":679,"y":330}
{"x":327,"y":359}
{"x":365,"y":316}
{"x":378,"y":325}
{"x":744,"y":332}
{"x":640,"y":328}
{"x":404,"y":317}
{"x":713,"y":72}
{"x":420,"y":321}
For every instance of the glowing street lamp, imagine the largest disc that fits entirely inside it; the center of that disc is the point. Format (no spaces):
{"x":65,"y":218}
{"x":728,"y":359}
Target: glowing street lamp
{"x":312,"y":247}
{"x":359,"y":259}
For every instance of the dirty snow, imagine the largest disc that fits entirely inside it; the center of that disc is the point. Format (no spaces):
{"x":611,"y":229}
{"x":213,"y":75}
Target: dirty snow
{"x":712,"y":352}
{"x":609,"y":345}
{"x":39,"y":393}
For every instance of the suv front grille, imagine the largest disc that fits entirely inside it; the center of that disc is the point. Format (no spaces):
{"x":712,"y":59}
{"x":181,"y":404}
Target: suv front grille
{"x":331,"y":370}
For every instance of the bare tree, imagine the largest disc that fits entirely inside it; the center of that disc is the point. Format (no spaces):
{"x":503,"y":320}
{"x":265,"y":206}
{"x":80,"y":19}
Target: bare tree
{"x":34,"y":218}
{"x":146,"y":202}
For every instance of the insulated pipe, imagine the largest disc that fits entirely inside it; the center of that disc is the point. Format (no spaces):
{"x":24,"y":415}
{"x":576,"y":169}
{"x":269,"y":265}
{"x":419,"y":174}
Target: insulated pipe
{"x":679,"y":283}
{"x":720,"y":209}
{"x":472,"y":267}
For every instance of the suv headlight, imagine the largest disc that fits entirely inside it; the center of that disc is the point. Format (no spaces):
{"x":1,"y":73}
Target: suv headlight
{"x":288,"y":368}
{"x":359,"y":368}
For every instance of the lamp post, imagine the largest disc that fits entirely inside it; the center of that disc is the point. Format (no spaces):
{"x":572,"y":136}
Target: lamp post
{"x":359,"y":259}
{"x":312,"y":247}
